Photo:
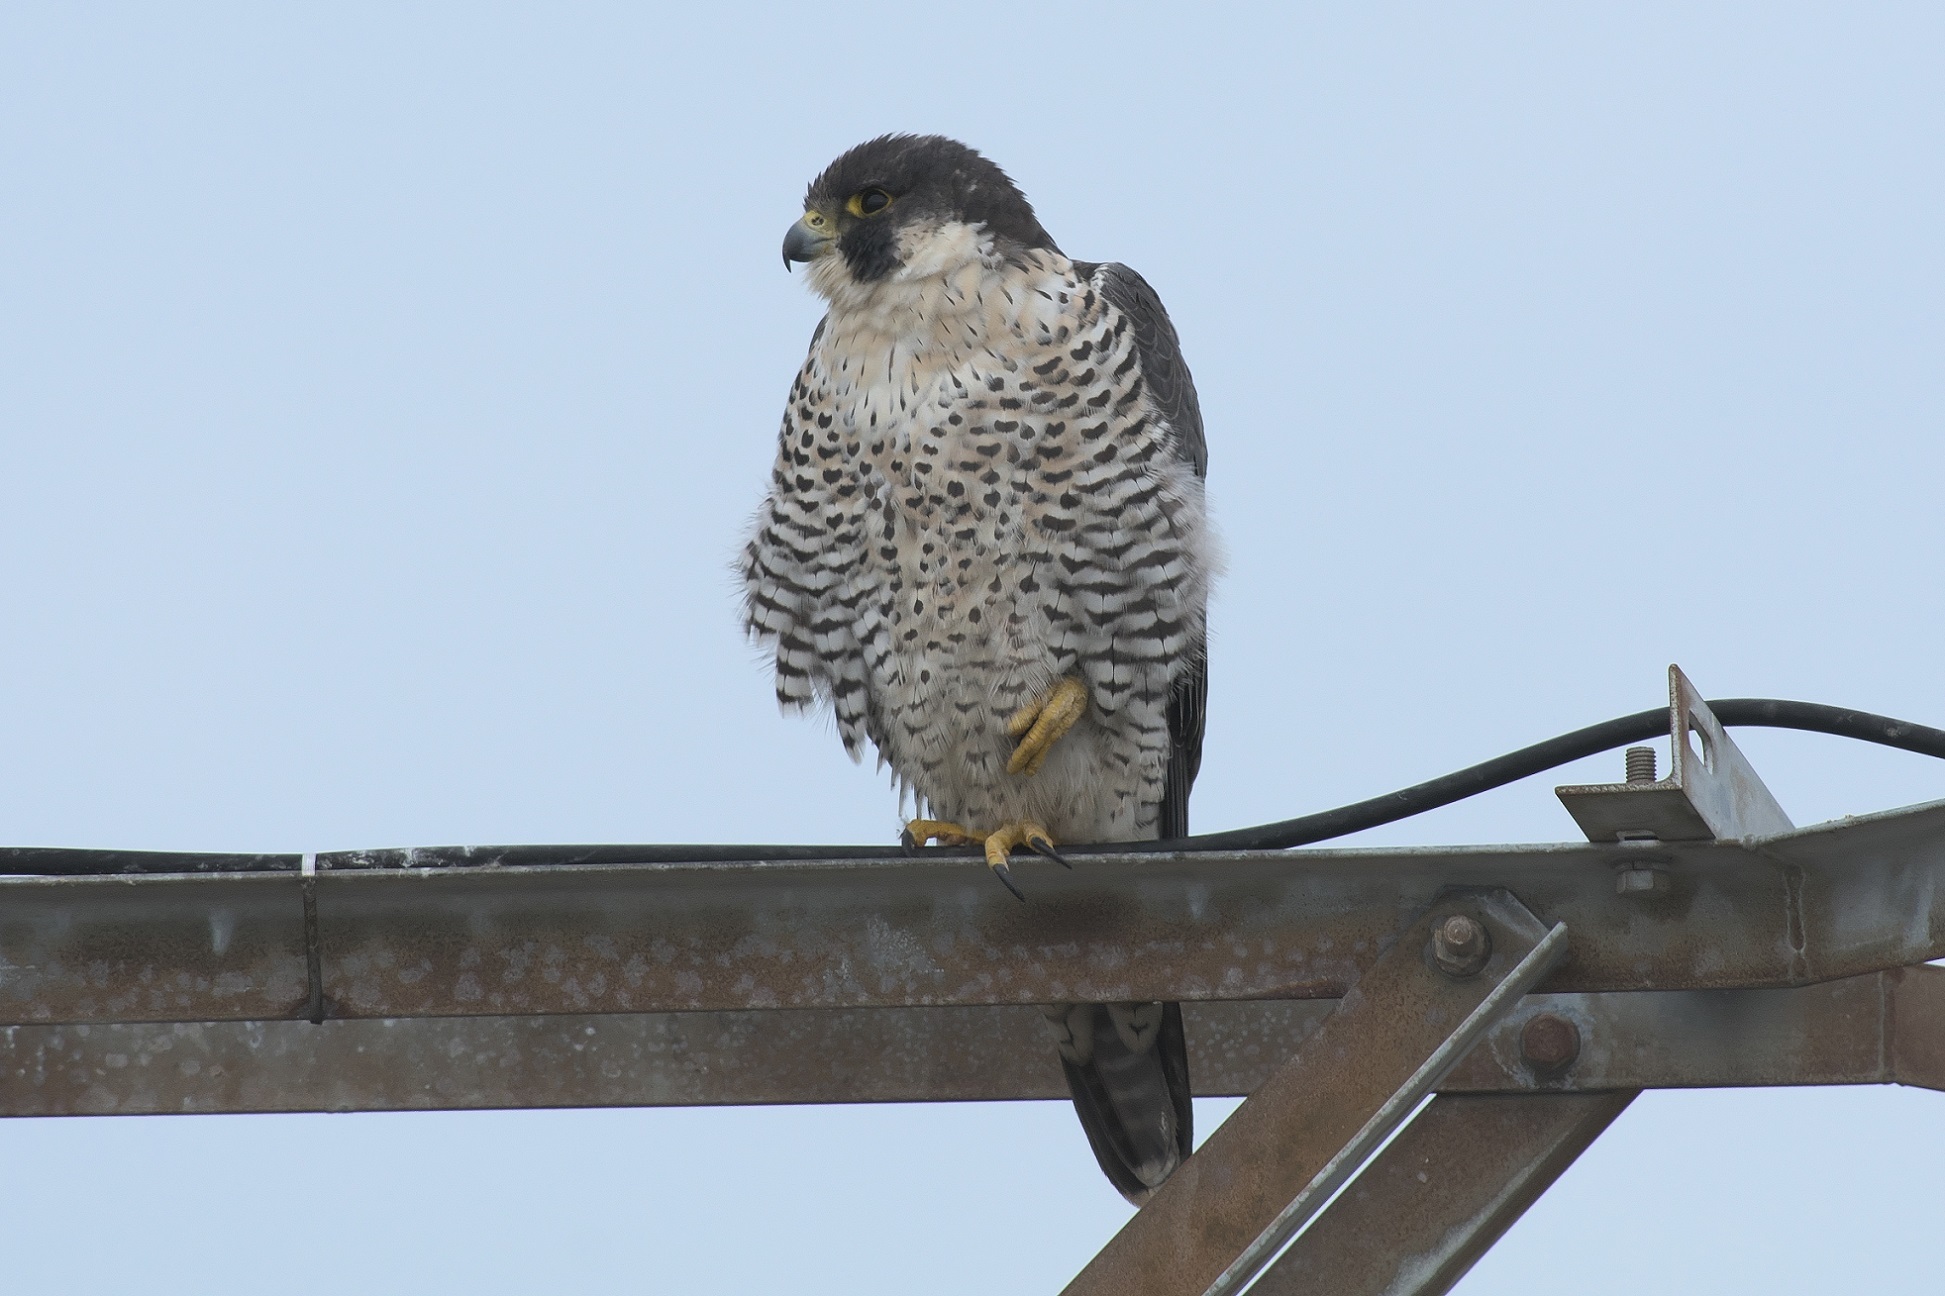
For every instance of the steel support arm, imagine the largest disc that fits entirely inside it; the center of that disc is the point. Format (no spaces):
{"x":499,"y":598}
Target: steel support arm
{"x":1442,"y":1193}
{"x":1279,"y":1157}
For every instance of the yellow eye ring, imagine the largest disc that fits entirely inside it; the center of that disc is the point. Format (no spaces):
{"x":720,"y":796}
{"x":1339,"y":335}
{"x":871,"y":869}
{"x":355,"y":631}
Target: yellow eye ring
{"x":867,"y":202}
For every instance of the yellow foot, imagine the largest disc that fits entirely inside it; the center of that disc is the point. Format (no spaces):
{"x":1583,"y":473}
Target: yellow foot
{"x":1039,"y":724}
{"x":920,"y":831}
{"x":1002,"y":842}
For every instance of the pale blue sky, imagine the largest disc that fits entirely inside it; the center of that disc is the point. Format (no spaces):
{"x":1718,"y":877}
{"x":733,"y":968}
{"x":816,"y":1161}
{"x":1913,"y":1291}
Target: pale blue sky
{"x":384,"y":389}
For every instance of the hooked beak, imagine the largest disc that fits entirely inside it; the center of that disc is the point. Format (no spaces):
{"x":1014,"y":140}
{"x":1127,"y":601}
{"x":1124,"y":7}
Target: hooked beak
{"x":808,"y":239}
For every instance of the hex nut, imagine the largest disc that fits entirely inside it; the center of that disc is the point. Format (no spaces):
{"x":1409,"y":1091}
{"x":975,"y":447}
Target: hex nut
{"x":1460,"y":946}
{"x":1550,"y":1043}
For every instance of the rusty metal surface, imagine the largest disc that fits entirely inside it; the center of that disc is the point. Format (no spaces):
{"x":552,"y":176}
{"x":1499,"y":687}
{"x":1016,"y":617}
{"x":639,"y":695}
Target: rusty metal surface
{"x":1826,"y":902}
{"x":669,"y":1059}
{"x":1878,"y":1029}
{"x":168,"y":948}
{"x":1916,"y":1027}
{"x":675,"y":1059}
{"x":882,"y":935}
{"x":1441,"y":1193}
{"x":1712,"y":793}
{"x":1278,"y":1157}
{"x":1821,"y":903}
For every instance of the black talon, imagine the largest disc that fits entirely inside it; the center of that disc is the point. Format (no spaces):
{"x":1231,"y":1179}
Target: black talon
{"x":1041,"y":846}
{"x":1005,"y":875}
{"x":907,"y":842}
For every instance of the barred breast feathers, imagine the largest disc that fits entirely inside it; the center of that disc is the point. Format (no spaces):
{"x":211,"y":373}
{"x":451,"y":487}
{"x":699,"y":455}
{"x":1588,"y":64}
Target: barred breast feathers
{"x":967,"y":476}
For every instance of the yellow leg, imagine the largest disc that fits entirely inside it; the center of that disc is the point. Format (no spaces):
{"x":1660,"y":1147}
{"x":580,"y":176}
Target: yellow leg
{"x":1040,"y":724}
{"x":920,"y":831}
{"x":1001,"y":843}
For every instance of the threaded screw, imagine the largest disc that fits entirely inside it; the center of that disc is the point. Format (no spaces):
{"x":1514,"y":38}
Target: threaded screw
{"x":1641,"y":764}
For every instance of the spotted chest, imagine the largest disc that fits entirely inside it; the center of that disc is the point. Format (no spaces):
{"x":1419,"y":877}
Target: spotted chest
{"x":973,"y":498}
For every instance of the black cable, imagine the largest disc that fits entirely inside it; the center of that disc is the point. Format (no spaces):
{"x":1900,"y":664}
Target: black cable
{"x":1771,"y":713}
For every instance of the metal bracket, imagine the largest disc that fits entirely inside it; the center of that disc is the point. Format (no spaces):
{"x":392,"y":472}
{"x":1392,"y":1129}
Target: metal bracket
{"x":313,"y":945}
{"x":1280,"y":1156}
{"x":1710,"y":794}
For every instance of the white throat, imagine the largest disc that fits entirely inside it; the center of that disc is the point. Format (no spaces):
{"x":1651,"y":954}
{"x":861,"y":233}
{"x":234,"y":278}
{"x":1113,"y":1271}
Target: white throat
{"x":951,"y":292}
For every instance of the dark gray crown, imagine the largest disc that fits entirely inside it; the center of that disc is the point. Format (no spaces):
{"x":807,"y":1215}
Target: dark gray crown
{"x":926,"y":176}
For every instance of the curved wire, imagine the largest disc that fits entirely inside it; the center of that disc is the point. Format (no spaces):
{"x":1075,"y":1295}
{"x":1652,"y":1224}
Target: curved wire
{"x":1772,"y":713}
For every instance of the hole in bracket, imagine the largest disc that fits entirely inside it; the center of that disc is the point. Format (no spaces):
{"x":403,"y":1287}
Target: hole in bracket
{"x":1699,"y":745}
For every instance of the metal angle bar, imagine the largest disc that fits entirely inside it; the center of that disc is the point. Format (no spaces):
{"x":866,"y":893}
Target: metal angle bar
{"x":1282,"y":1153}
{"x":1386,"y":1119}
{"x":1813,"y":905}
{"x":1878,"y":1029}
{"x":1710,"y":794}
{"x":1915,"y":1021}
{"x":1441,"y":1193}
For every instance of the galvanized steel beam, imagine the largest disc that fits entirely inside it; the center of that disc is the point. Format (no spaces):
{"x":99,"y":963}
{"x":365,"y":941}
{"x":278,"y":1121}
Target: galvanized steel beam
{"x":1826,"y":902}
{"x":1879,"y":1029}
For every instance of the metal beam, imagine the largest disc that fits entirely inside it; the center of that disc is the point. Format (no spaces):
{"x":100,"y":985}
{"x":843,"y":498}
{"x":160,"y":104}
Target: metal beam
{"x":1441,"y":1194}
{"x":1224,"y":1213}
{"x":1879,"y":1029}
{"x":1838,"y":900}
{"x":1914,"y":1027}
{"x":1838,"y":1033}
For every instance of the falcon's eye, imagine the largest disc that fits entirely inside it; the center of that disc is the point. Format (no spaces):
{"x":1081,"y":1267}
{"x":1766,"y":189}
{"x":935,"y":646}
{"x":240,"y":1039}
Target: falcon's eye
{"x":868,"y":202}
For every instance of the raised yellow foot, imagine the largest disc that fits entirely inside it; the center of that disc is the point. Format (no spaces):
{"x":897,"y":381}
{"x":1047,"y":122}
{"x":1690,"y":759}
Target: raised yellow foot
{"x":1001,"y":842}
{"x":1039,"y":725}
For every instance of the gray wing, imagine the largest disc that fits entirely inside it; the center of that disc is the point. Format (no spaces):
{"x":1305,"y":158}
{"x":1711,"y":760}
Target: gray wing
{"x":1172,"y":391}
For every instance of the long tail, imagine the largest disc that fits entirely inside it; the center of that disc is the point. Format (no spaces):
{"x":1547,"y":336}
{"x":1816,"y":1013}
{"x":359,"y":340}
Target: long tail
{"x":1128,"y":1069}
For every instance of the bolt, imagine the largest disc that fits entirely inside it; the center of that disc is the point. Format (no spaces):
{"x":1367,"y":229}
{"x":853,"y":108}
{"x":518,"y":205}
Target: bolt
{"x":1460,"y":946}
{"x":1643,"y":880}
{"x":1641,"y":764}
{"x":1550,"y":1043}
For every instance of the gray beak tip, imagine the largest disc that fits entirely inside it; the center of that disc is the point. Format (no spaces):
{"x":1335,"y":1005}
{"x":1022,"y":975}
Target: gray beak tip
{"x":800,"y":244}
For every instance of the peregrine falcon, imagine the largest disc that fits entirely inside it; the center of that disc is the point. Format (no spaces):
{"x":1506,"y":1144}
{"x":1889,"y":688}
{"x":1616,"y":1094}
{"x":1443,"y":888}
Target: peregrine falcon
{"x":985,"y":546}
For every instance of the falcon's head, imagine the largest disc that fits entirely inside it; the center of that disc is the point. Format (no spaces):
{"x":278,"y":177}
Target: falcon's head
{"x":902,"y":206}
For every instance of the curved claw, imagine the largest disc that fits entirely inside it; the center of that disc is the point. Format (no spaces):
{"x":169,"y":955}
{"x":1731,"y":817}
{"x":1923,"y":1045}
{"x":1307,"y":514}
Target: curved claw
{"x":1026,"y":833}
{"x":1005,"y":875}
{"x":1041,"y":723}
{"x":1041,"y":844}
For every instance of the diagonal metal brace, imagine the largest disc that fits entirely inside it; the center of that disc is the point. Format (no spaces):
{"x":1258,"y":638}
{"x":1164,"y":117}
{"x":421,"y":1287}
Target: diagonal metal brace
{"x":1441,"y":1193}
{"x":1278,"y":1159}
